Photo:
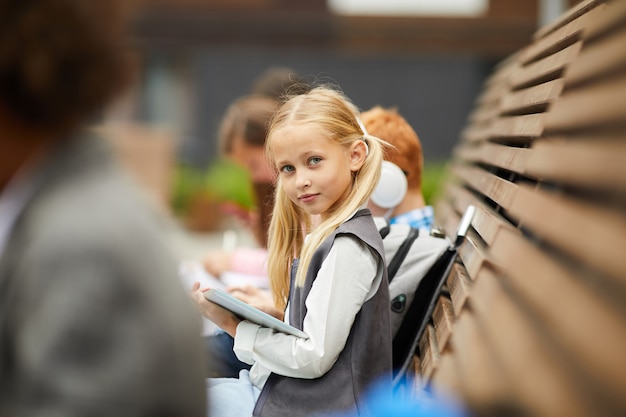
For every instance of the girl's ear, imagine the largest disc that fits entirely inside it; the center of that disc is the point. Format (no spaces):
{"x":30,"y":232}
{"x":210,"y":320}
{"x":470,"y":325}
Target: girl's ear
{"x":358,"y":153}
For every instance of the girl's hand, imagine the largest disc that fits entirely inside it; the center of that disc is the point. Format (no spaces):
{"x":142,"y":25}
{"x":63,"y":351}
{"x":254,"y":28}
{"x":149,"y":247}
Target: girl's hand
{"x":256,"y":297}
{"x":250,"y":294}
{"x":218,"y":315}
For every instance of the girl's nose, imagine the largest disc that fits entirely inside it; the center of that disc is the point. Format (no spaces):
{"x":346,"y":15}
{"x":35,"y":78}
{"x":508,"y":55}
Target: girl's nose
{"x":303,"y":181}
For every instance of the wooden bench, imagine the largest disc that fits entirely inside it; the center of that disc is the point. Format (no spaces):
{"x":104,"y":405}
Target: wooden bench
{"x":533,"y":313}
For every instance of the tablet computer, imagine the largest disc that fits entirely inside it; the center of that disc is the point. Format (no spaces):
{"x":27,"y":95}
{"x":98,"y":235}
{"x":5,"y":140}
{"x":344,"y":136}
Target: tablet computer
{"x":247,"y":312}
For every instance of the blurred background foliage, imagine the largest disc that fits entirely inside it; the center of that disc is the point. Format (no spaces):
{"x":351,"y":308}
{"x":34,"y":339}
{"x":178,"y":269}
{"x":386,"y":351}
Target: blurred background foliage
{"x":432,"y":178}
{"x":196,"y":56}
{"x":225,"y":182}
{"x":222,"y":182}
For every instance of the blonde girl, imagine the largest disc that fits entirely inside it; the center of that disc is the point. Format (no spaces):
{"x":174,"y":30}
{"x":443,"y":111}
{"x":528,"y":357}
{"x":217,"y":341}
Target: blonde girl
{"x":330,"y":279}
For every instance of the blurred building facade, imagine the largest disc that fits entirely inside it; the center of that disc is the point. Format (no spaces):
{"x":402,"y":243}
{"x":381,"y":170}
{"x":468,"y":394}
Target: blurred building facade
{"x":198,"y":55}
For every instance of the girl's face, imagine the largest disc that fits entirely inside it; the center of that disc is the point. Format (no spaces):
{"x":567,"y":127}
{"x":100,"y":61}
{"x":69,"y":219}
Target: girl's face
{"x":316,"y":173}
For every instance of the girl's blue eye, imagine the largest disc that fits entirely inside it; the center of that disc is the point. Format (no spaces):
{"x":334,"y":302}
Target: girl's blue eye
{"x":287,"y":168}
{"x":315,"y":160}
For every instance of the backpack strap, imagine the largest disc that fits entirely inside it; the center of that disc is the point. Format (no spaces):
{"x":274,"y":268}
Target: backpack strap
{"x":403,"y":250}
{"x":384,"y":231}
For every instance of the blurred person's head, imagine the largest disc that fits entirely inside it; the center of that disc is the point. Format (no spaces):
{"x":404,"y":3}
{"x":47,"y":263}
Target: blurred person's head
{"x":405,"y":153}
{"x":278,"y":82}
{"x":242,"y":135}
{"x":244,"y":125}
{"x":61,"y":63}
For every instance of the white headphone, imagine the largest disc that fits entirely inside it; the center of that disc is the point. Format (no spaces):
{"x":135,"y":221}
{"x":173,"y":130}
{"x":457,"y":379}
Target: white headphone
{"x":391,"y":187}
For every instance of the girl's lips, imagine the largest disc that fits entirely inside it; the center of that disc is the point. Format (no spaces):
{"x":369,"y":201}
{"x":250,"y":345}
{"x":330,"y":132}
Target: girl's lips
{"x":307,"y":198}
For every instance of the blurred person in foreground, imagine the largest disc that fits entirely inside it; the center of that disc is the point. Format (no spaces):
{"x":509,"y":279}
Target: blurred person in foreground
{"x":93,"y":320}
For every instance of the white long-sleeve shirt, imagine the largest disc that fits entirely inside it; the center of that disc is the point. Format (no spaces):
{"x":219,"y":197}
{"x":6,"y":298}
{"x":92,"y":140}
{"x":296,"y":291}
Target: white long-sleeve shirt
{"x":349,"y":276}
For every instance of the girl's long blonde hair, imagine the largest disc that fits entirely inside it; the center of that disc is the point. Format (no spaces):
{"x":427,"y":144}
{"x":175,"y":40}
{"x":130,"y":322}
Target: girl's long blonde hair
{"x":332,"y":112}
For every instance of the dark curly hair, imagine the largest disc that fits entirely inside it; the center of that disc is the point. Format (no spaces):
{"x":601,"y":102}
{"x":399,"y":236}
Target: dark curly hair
{"x":61,"y":61}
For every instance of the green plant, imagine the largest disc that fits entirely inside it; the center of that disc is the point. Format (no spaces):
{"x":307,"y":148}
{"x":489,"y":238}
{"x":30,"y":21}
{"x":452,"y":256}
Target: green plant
{"x":432,"y":178}
{"x":228,"y":182}
{"x":186,"y":183}
{"x":223,"y":181}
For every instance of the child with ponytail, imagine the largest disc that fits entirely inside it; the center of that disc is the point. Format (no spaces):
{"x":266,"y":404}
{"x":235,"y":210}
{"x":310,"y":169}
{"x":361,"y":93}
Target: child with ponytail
{"x":329,"y":278}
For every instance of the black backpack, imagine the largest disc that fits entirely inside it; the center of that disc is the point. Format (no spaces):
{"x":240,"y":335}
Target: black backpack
{"x":417,"y":270}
